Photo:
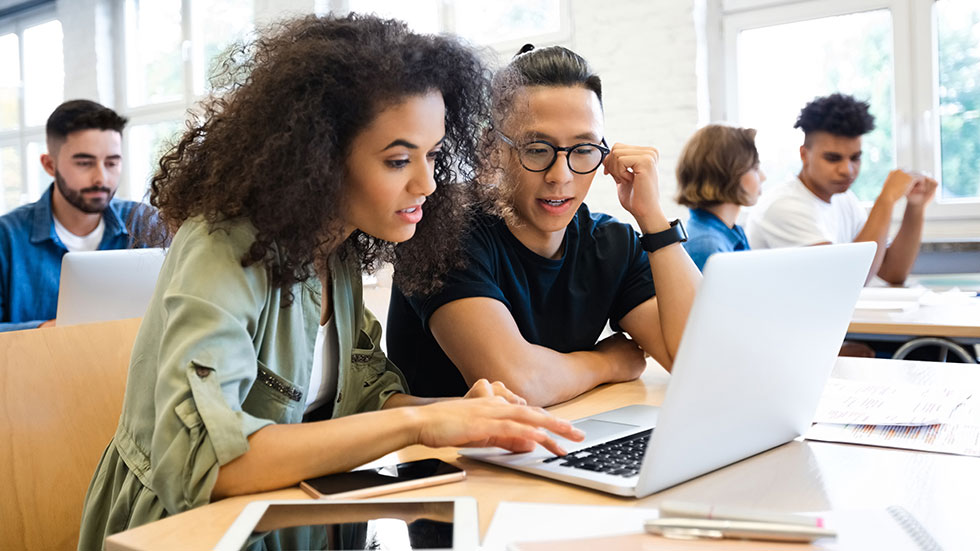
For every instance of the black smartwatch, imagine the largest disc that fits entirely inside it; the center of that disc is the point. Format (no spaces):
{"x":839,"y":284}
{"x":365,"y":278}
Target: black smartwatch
{"x":674,"y":234}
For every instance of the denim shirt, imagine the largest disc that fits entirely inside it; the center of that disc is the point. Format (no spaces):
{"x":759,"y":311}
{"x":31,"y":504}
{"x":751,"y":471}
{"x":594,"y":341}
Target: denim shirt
{"x":30,"y":259}
{"x":707,"y":235}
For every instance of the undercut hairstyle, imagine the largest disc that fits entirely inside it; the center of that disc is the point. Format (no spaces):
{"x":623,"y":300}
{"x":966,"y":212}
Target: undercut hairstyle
{"x":712,"y":164}
{"x":553,"y":66}
{"x":81,"y":114}
{"x":837,"y":114}
{"x":271,"y":143}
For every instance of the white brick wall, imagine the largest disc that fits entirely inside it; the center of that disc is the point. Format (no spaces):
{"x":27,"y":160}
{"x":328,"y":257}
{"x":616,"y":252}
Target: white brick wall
{"x":645,"y":52}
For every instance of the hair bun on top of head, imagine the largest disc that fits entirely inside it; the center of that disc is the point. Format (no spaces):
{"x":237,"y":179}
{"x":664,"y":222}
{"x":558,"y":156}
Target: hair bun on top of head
{"x":525,"y":49}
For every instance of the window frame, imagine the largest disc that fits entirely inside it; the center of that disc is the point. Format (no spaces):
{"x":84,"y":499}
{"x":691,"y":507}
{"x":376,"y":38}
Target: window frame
{"x":24,"y":135}
{"x":915,"y":58}
{"x":178,"y":111}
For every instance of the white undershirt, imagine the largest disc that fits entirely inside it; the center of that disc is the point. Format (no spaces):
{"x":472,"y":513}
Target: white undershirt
{"x":323,"y":378}
{"x":75,"y":243}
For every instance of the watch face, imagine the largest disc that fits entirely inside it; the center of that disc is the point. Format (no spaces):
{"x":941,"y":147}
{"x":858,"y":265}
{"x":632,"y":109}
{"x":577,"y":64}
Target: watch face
{"x":677,"y":223}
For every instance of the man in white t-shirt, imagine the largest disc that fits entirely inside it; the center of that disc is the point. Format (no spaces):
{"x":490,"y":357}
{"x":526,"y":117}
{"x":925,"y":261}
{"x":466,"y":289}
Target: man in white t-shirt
{"x":818,"y":206}
{"x":76,"y":213}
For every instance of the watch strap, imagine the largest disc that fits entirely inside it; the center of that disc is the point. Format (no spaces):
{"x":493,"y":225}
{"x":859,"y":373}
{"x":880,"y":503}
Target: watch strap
{"x":674,"y":234}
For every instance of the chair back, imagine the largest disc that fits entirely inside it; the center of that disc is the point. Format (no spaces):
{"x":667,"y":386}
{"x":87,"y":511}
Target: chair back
{"x":62,"y":391}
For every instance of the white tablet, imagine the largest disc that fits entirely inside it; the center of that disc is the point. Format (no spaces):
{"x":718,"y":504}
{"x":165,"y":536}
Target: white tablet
{"x":420,"y":523}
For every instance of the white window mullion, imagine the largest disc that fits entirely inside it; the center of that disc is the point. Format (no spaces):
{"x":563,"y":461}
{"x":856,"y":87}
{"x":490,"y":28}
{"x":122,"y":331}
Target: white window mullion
{"x":186,"y":49}
{"x":22,"y":116}
{"x":119,"y":56}
{"x":905,"y":116}
{"x":925,"y":79}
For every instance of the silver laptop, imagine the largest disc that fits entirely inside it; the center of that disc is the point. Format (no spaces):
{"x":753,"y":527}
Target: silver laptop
{"x":107,"y":285}
{"x":758,"y":348}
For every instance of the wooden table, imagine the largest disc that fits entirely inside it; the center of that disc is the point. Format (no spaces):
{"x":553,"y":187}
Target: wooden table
{"x":954,"y":321}
{"x":942,"y":491}
{"x":960,"y":322}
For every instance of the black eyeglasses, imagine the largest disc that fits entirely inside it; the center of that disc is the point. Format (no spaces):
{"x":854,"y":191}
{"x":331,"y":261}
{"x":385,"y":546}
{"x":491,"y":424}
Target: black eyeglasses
{"x":539,"y":155}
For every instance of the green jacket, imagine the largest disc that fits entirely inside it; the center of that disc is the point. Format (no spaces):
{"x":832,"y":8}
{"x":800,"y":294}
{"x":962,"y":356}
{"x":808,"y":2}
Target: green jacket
{"x":217,"y":358}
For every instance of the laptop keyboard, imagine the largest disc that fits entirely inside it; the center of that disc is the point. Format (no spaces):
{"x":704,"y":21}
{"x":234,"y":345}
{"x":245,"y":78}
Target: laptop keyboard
{"x":621,"y":457}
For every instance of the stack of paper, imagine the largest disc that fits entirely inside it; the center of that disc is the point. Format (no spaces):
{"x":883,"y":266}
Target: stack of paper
{"x":846,"y":401}
{"x":927,"y":418}
{"x":890,"y":299}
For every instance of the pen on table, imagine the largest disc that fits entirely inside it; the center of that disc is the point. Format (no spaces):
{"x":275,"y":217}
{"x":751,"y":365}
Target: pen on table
{"x":694,"y":528}
{"x":678,"y":509}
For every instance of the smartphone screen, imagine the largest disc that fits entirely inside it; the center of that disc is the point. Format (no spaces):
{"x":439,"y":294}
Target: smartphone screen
{"x":342,"y":483}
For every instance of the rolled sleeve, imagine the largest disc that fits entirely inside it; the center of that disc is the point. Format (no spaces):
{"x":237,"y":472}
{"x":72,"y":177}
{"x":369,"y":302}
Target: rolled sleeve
{"x":208,"y":364}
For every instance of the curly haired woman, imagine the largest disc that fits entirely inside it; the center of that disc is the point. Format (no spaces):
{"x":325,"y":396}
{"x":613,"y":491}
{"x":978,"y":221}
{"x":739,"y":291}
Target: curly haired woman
{"x":309,"y":163}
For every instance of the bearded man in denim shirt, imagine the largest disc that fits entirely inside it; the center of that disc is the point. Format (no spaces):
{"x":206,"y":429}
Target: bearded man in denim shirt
{"x":76,"y":213}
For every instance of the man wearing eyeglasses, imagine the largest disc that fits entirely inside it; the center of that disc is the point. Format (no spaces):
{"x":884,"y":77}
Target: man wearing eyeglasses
{"x":545,"y":276}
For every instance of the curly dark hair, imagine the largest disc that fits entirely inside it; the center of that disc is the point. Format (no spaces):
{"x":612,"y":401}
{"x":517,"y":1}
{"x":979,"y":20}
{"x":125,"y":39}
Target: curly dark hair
{"x":82,"y":114}
{"x":270,"y":144}
{"x":837,"y":114}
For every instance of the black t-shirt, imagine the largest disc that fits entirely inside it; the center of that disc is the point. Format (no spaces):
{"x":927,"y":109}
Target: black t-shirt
{"x":562,"y":304}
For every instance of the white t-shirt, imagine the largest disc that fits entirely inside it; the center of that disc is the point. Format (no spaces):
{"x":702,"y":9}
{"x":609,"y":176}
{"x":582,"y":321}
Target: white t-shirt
{"x":75,"y":243}
{"x":323,"y":378}
{"x":791,"y":215}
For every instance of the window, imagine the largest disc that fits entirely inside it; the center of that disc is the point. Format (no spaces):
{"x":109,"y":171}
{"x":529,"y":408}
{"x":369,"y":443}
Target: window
{"x":170,"y":49}
{"x":958,"y":38}
{"x":145,"y":145}
{"x":170,"y":46}
{"x":771,"y":100}
{"x":915,"y":61}
{"x":31,"y":86}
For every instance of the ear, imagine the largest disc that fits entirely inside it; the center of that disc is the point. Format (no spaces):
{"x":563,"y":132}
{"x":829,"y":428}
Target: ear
{"x":49,"y":164}
{"x":803,"y":152}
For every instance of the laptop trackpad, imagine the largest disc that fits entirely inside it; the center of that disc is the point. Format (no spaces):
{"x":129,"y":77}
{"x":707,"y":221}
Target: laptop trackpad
{"x":597,"y":430}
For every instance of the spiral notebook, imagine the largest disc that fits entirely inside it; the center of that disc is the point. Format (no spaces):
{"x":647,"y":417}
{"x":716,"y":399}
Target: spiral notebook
{"x":540,"y":527}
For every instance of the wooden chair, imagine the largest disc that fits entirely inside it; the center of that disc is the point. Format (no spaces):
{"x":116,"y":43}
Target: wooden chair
{"x":61,"y":391}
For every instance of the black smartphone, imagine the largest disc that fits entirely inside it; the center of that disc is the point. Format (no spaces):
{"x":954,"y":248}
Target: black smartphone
{"x":383,"y":480}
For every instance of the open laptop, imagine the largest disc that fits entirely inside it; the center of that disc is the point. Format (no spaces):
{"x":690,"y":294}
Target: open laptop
{"x":107,"y":285}
{"x":758,"y":348}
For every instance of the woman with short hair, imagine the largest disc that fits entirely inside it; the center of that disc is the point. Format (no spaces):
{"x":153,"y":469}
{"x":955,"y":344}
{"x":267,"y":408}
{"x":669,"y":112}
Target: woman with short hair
{"x":718,"y":173}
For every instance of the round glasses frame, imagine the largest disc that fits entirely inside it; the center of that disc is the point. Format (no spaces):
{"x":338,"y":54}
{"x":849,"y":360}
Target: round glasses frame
{"x":603,"y":151}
